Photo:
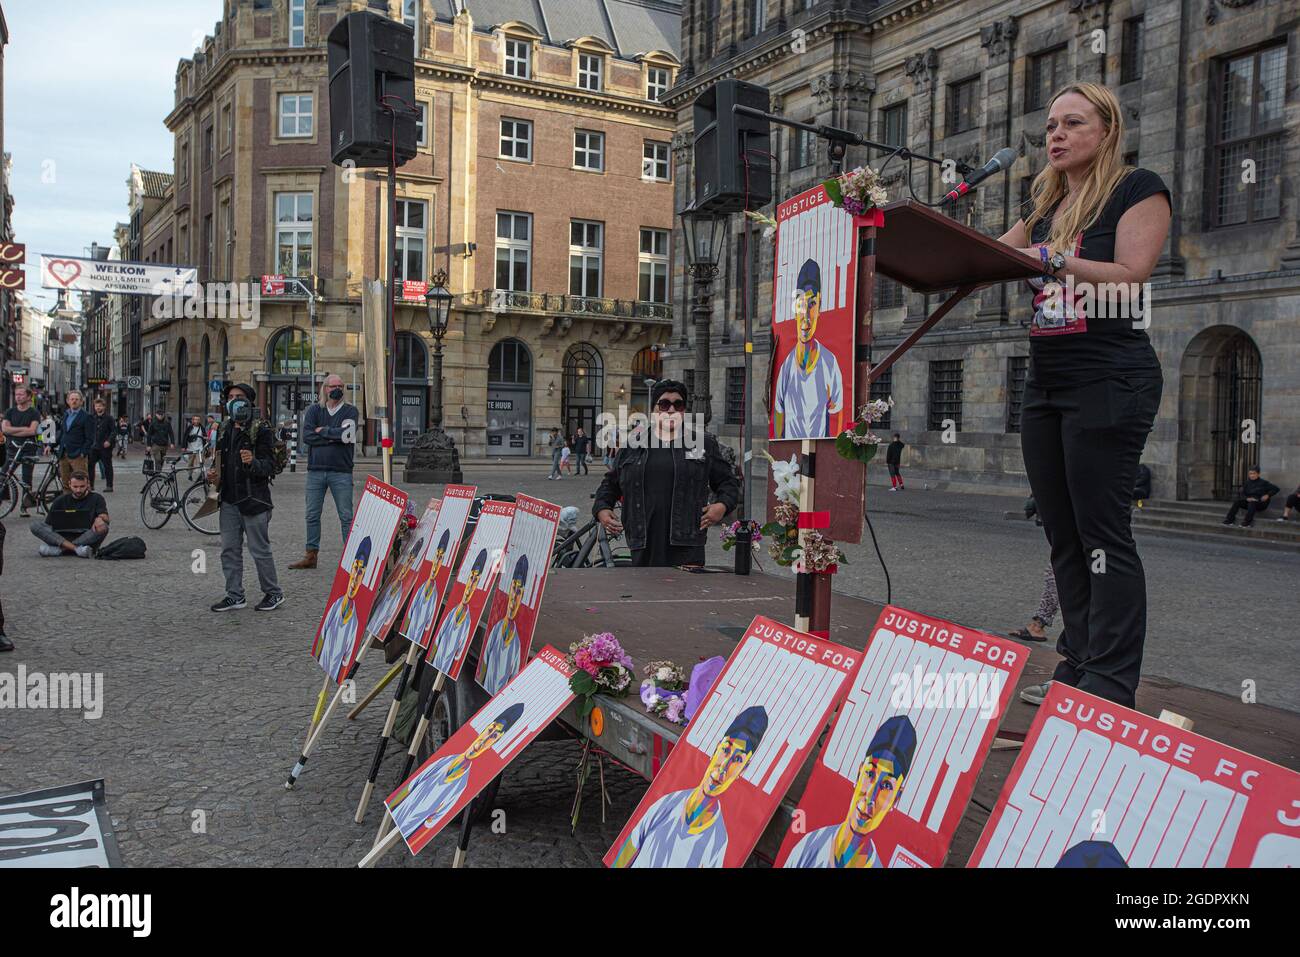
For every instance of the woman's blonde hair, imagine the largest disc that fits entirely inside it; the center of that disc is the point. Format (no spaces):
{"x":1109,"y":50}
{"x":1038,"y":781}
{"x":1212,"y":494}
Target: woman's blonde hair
{"x":1107,"y":169}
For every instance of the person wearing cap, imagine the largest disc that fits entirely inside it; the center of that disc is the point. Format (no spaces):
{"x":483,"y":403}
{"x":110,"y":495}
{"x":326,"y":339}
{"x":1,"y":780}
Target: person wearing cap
{"x":809,"y":387}
{"x":665,"y":477}
{"x":454,"y":630}
{"x":390,"y":601}
{"x":338,"y":630}
{"x":242,"y":469}
{"x":686,"y":828}
{"x":435,"y":789}
{"x":880,"y":781}
{"x":500,"y":658}
{"x":424,"y":605}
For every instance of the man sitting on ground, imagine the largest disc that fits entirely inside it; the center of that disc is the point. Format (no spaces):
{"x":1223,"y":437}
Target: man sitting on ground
{"x":1255,"y":495}
{"x":77,"y":521}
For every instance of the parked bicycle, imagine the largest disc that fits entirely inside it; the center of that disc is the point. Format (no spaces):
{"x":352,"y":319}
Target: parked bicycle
{"x":161,"y":498}
{"x":587,"y":547}
{"x":45,"y":488}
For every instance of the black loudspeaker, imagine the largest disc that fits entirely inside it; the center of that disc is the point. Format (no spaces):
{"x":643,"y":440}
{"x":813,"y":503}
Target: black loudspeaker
{"x":371,"y":57}
{"x":725,"y":141}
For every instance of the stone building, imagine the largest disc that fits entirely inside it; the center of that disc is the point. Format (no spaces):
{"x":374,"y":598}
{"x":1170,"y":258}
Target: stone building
{"x":542,"y":188}
{"x":1208,"y":91}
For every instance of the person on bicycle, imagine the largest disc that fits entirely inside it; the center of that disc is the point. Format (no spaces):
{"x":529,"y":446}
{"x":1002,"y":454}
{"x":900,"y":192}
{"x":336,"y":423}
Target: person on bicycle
{"x":20,"y":426}
{"x":664,"y":474}
{"x":242,"y":471}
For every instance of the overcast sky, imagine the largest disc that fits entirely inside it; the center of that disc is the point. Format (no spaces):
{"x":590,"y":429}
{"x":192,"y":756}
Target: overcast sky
{"x":87,"y":84}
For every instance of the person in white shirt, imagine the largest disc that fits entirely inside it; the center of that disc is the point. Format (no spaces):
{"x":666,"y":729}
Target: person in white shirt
{"x":809,"y":386}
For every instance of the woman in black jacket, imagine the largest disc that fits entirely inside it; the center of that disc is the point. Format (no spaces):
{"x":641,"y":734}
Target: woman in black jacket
{"x":666,"y":486}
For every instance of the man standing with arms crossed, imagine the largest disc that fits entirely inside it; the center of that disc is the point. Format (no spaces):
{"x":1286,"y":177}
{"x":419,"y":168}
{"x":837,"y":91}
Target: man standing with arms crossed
{"x":20,"y":425}
{"x":329,"y":429}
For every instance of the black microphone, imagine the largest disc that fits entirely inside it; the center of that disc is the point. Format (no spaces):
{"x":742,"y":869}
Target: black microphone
{"x":1001,"y":160}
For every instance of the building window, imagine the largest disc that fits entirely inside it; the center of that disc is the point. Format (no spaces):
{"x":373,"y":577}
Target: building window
{"x":755,"y":17}
{"x":589,"y":150}
{"x":412,"y":227}
{"x":209,"y":146}
{"x":209,"y":246}
{"x":882,"y":388}
{"x":228,"y":233}
{"x":293,"y":234}
{"x":1017,"y":373}
{"x":411,"y":17}
{"x":185,"y":163}
{"x":945,"y":394}
{"x":654,"y":163}
{"x":1130,"y":55}
{"x":295,"y":114}
{"x":656,"y":82}
{"x":517,"y":140}
{"x":586,"y":240}
{"x":517,"y":62}
{"x":297,"y":23}
{"x":961,"y":105}
{"x":1252,"y":97}
{"x":1046,"y":74}
{"x":590,"y":67}
{"x":964,"y":211}
{"x":735,"y":395}
{"x":228,"y":126}
{"x":889,"y":294}
{"x":654,"y":265}
{"x":514,"y":251}
{"x":422,"y":125}
{"x":803,"y":148}
{"x":893,"y":125}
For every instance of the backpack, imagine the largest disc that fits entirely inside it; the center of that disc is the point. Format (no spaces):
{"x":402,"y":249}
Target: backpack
{"x":279,"y":448}
{"x":122,"y":548}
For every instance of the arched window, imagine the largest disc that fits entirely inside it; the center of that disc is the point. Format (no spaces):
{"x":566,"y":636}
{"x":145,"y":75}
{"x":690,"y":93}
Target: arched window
{"x":510,"y":363}
{"x":584,"y":373}
{"x":647,"y":367}
{"x":412,"y":357}
{"x":289,"y":353}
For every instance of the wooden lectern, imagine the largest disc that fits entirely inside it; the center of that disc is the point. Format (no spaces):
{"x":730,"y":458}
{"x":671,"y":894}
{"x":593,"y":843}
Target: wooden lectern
{"x":929,"y":253}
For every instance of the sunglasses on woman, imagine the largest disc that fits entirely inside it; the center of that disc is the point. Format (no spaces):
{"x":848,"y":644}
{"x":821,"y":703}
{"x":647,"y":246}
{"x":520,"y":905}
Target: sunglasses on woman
{"x":672,"y":405}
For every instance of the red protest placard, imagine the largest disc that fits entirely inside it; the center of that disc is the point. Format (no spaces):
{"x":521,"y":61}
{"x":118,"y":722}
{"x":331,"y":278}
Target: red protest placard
{"x":472,"y":588}
{"x":481,"y":749}
{"x":898,"y":768}
{"x":439,"y":559}
{"x":272,"y":285}
{"x":1099,"y":785}
{"x":814,"y":292}
{"x":405,"y":574}
{"x":708,"y":805}
{"x":338,"y":637}
{"x":518,"y":594}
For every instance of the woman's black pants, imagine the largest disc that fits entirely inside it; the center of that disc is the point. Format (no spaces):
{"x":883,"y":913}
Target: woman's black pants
{"x":1081,"y":448}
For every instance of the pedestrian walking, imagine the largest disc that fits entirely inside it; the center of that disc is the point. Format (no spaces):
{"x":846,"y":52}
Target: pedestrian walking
{"x":581,"y":449}
{"x":245,"y":463}
{"x":556,"y":445}
{"x":1256,"y":493}
{"x":329,"y":429}
{"x":566,"y":454}
{"x":159,"y":438}
{"x":194,"y":441}
{"x":123,"y":436}
{"x":102,"y":451}
{"x":894,"y":459}
{"x":21,"y":424}
{"x":75,"y":523}
{"x":75,"y":438}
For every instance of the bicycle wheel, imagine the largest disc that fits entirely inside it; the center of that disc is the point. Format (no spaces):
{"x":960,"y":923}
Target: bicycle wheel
{"x":191,"y":501}
{"x":12,"y":491}
{"x":50,"y":489}
{"x":157,"y":502}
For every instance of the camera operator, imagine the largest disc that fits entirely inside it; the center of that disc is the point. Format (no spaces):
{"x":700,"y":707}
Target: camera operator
{"x":242,"y":470}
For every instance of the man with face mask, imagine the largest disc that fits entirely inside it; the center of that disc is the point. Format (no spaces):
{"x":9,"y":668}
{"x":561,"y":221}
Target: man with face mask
{"x":329,"y":429}
{"x":242,"y":470}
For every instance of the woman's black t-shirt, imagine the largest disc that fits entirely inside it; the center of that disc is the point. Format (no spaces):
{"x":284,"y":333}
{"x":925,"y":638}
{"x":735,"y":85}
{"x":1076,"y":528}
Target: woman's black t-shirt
{"x":1071,"y":342}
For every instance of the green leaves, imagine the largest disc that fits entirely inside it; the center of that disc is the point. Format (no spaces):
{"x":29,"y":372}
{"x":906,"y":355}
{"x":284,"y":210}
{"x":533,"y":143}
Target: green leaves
{"x":834,"y":191}
{"x":582,"y":684}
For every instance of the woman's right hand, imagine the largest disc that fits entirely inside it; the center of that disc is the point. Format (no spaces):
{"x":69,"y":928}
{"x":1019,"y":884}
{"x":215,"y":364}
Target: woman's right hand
{"x":607,"y":518}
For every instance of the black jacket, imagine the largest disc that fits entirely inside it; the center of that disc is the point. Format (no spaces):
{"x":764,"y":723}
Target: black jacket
{"x":105,"y":430}
{"x":695,"y":479}
{"x":76,"y":441}
{"x":160,"y":432}
{"x":1258,"y":488}
{"x":894,"y":453}
{"x":248,"y":487}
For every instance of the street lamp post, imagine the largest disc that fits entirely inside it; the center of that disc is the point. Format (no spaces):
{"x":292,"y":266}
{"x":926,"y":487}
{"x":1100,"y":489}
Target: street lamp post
{"x":703,"y":233}
{"x":434,"y":458}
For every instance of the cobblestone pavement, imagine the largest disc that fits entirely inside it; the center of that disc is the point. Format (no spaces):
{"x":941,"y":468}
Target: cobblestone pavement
{"x":205,"y":713}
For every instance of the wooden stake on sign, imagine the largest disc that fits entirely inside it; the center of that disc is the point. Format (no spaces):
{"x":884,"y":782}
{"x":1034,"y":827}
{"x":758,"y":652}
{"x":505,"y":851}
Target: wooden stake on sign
{"x":373,"y":693}
{"x":297,"y":769}
{"x":466,"y":822}
{"x":380,"y":849}
{"x":320,"y":707}
{"x":412,"y":653}
{"x":413,"y":751}
{"x":1177,"y":720}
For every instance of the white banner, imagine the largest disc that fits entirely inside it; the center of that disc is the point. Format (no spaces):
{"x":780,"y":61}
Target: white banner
{"x":98,"y":275}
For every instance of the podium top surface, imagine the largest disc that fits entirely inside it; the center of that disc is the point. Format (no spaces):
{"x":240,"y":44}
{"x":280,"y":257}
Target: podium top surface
{"x":928,"y":252}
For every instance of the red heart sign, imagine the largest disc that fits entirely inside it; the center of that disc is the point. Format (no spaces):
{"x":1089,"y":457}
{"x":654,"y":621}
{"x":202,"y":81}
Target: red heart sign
{"x":59,"y":268}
